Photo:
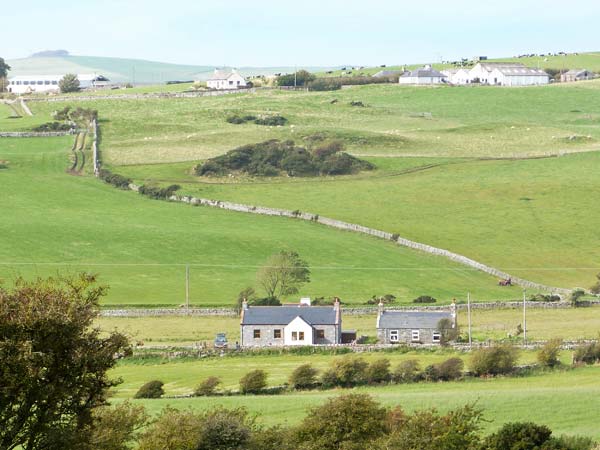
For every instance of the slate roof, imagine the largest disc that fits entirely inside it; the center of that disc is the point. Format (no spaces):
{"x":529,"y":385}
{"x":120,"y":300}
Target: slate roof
{"x":386,"y":73}
{"x":221,"y":74}
{"x":424,"y":73}
{"x":282,"y":315}
{"x":513,"y":69}
{"x":412,"y":319}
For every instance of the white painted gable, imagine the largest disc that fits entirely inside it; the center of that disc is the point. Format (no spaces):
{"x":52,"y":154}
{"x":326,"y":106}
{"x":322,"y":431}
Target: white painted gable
{"x":298,"y":332}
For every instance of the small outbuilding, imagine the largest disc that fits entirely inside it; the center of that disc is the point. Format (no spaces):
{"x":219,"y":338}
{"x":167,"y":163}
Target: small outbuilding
{"x":423,"y":76}
{"x":287,"y":325}
{"x":577,"y":75}
{"x":226,"y":79}
{"x":412,"y":327}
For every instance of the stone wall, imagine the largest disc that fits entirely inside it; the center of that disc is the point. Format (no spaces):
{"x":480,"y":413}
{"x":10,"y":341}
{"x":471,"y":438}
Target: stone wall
{"x":33,"y":134}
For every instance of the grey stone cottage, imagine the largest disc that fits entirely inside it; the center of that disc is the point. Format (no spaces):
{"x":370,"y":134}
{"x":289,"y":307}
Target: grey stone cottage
{"x":412,"y":327}
{"x":297,"y":324}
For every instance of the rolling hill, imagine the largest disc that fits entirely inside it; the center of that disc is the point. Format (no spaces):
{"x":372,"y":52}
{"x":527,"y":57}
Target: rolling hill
{"x":122,"y":70}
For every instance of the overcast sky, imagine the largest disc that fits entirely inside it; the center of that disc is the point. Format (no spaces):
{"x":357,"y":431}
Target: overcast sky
{"x":308,"y":32}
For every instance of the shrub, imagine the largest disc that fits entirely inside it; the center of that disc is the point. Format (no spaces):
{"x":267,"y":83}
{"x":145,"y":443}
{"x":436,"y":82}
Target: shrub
{"x":69,"y":83}
{"x":347,"y":422}
{"x":588,"y":354}
{"x":53,"y":126}
{"x":299,"y":78}
{"x":159,"y":193}
{"x":265,"y":301}
{"x":496,"y":360}
{"x":595,"y":289}
{"x":574,"y":443}
{"x":357,"y":103}
{"x":325,"y":84}
{"x":379,"y":371}
{"x":152,"y":389}
{"x":549,"y":353}
{"x":518,"y":436}
{"x":116,"y":180}
{"x":329,"y":378}
{"x":253,"y":382}
{"x":431,"y":373}
{"x":451,"y":369}
{"x":304,"y":377}
{"x":408,"y":371}
{"x":270,"y":158}
{"x":424,"y":299}
{"x":207,"y":387}
{"x":272,"y":121}
{"x":225,"y":429}
{"x":544,"y":298}
{"x":575,"y":296}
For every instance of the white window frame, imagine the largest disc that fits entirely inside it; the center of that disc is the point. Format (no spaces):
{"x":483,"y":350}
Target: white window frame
{"x":294,"y":335}
{"x":300,"y":335}
{"x":415,"y":335}
{"x":436,"y":337}
{"x":394,"y":335}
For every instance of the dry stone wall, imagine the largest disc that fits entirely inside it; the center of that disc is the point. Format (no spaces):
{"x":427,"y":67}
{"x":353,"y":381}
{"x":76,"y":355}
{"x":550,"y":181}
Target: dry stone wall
{"x":32,"y":134}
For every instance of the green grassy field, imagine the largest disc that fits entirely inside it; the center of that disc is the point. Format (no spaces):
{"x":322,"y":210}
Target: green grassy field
{"x":563,"y":400}
{"x":64,"y":223}
{"x":570,"y":324}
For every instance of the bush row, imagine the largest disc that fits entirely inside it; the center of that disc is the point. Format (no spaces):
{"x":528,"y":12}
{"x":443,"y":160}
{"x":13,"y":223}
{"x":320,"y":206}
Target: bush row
{"x":157,"y":192}
{"x":273,"y":121}
{"x":115,"y":179}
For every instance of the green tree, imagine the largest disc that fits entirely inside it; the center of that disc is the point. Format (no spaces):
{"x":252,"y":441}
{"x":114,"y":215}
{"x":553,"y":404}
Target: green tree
{"x":299,"y":78}
{"x":225,"y":429}
{"x":595,"y":289}
{"x":304,"y":377}
{"x":497,"y":360}
{"x":4,"y":68}
{"x":428,"y":430}
{"x":151,"y":389}
{"x":54,"y":362}
{"x":207,"y":387}
{"x":347,"y":422}
{"x":549,"y":354}
{"x":69,"y":83}
{"x":248,"y":294}
{"x":172,"y":430}
{"x":379,"y":371}
{"x":408,"y":371}
{"x":518,"y":436}
{"x":253,"y":382}
{"x":117,"y":427}
{"x":283,"y":274}
{"x":448,"y":332}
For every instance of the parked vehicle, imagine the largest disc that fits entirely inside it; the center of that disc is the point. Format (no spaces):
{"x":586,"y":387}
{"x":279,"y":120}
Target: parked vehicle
{"x":221,"y":340}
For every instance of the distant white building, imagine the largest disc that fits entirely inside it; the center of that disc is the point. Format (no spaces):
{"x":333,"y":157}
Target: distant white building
{"x":226,"y":79}
{"x":577,"y":75}
{"x":507,"y":74}
{"x":25,"y":84}
{"x":457,"y":76}
{"x":424,"y":76}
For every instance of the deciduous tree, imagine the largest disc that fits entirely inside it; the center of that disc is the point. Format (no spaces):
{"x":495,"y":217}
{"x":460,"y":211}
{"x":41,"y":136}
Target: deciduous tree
{"x":283,"y":274}
{"x":54,"y":363}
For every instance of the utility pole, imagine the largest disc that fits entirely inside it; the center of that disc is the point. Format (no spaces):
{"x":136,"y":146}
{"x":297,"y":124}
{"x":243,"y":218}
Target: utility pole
{"x":524,"y":319}
{"x":469,"y":318}
{"x":187,"y":287}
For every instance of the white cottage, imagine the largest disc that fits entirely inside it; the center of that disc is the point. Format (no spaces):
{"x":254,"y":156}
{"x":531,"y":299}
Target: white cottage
{"x":25,"y":84}
{"x":290,"y":325}
{"x":226,"y":79}
{"x":456,"y":76}
{"x":507,"y":74}
{"x":424,"y":76}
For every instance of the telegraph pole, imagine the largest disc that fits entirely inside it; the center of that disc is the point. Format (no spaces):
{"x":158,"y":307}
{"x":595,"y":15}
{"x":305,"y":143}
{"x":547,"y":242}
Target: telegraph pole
{"x":469,"y":318}
{"x":524,"y":319}
{"x":187,"y":287}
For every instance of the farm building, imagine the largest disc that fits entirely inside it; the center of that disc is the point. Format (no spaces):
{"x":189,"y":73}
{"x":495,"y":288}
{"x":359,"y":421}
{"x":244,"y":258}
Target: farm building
{"x":226,"y":79}
{"x":25,"y":84}
{"x":387,"y":74}
{"x":507,"y":74}
{"x":426,"y":75}
{"x":412,"y":327}
{"x":577,"y":75}
{"x":297,"y":324}
{"x":457,"y":76}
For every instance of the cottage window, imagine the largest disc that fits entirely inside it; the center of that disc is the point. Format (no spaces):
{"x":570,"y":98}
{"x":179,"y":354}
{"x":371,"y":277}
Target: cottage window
{"x":47,"y":82}
{"x":40,"y":82}
{"x":230,"y":82}
{"x":437,"y":336}
{"x":294,"y":335}
{"x":257,"y":334}
{"x":301,"y":335}
{"x":320,"y":334}
{"x":394,"y":335}
{"x":54,"y":82}
{"x":416,"y":335}
{"x":277,"y":334}
{"x":26,"y":82}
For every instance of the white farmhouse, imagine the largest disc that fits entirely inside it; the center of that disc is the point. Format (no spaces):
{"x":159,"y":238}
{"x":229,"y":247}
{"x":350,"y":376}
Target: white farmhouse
{"x":457,"y":76}
{"x":507,"y":74}
{"x":426,"y":75}
{"x":226,"y":79}
{"x":25,"y":84}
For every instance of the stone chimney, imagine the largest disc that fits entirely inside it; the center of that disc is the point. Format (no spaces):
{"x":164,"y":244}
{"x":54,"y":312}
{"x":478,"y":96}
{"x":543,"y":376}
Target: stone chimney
{"x":245,"y":305}
{"x":380,"y":310}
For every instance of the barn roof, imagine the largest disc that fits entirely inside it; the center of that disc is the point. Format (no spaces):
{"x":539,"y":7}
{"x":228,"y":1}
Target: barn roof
{"x":513,"y":69}
{"x":424,"y":72}
{"x":412,"y":319}
{"x":282,"y":315}
{"x":222,"y":74}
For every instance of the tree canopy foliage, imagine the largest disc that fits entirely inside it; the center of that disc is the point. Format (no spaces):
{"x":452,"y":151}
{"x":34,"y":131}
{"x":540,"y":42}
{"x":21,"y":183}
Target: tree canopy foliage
{"x":54,"y":363}
{"x":283,"y":274}
{"x":69,"y":83}
{"x":4,"y":68}
{"x":298,"y":78}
